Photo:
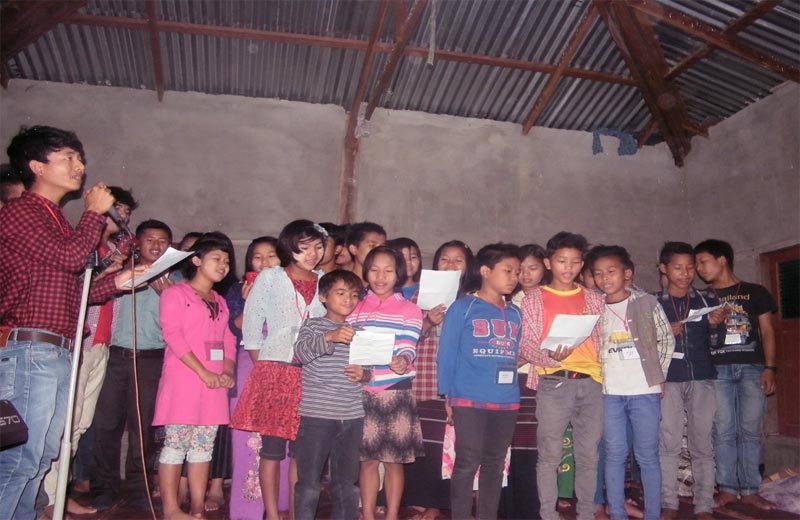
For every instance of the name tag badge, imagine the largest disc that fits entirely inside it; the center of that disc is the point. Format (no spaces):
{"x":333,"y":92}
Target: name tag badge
{"x":677,"y":355}
{"x":629,"y":353}
{"x":505,"y":377}
{"x":733,"y":339}
{"x":214,"y":351}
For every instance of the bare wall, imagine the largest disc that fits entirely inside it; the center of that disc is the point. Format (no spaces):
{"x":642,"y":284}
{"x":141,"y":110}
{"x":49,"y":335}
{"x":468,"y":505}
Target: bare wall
{"x":435,"y":178}
{"x":743,"y":181}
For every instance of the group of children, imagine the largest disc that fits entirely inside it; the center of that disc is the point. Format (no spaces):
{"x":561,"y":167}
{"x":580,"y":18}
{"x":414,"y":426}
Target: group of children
{"x":627,"y":386}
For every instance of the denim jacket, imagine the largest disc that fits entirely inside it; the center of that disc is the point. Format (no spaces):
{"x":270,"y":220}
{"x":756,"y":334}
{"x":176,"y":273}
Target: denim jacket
{"x":692,"y":360}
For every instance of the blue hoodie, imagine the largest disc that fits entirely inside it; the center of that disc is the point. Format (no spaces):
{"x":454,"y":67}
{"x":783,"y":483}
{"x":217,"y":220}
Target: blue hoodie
{"x":477,"y":359}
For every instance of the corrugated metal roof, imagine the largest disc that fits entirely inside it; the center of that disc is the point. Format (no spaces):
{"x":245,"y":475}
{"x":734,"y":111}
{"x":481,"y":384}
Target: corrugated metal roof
{"x":530,"y":30}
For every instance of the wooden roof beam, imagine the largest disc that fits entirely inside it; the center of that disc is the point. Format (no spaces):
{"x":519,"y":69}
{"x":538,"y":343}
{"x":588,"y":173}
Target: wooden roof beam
{"x":555,"y":77}
{"x":394,"y":57}
{"x":641,"y":50}
{"x":648,"y":130}
{"x":716,"y":37}
{"x":155,"y":48}
{"x":23,"y":22}
{"x":754,"y":13}
{"x":341,"y":43}
{"x":347,"y":192}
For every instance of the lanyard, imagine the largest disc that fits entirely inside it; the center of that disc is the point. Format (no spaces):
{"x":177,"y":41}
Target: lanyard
{"x":52,"y":214}
{"x":620,"y":318}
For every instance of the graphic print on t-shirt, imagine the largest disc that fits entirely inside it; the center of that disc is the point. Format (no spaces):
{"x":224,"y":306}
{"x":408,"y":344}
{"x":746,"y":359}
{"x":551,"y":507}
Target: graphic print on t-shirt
{"x":738,"y":329}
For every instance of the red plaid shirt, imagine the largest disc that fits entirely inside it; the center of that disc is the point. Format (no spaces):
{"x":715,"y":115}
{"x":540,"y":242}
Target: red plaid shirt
{"x":424,"y":386}
{"x":41,"y":258}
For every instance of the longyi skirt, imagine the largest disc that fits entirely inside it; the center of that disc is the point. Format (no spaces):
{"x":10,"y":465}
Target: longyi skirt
{"x":392,"y":432}
{"x":270,"y":399}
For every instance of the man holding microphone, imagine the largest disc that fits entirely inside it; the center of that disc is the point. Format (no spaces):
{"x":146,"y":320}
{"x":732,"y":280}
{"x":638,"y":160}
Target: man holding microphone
{"x":41,"y":260}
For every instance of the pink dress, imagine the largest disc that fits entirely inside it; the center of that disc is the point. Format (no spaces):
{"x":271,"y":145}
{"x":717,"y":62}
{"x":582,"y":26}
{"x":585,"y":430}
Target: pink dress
{"x":187,"y":326}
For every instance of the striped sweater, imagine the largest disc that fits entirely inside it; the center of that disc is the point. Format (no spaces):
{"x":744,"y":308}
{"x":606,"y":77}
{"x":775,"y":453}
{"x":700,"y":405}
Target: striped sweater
{"x":327,"y":394}
{"x":394,"y":314}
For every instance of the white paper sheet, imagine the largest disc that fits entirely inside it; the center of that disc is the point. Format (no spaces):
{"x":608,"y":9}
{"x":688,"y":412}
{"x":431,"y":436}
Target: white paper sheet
{"x":372,"y":346}
{"x":697,"y":314}
{"x":170,"y":257}
{"x":570,"y":330}
{"x":437,"y":287}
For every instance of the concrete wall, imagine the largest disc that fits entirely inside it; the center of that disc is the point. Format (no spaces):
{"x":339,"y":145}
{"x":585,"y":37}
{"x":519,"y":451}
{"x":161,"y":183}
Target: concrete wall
{"x":248,"y":166}
{"x":198,"y":162}
{"x":435,"y":178}
{"x":743,"y":182}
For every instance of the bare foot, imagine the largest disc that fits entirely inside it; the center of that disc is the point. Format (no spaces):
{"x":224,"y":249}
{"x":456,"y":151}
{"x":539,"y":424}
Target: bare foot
{"x":724,"y":498}
{"x":759,"y":502}
{"x":600,"y":512}
{"x":213,"y":503}
{"x":562,"y":503}
{"x":632,"y":510}
{"x":178,"y":515}
{"x":76,"y":508}
{"x":81,"y":486}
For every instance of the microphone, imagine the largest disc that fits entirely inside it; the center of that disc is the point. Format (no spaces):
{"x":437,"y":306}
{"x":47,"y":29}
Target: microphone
{"x":115,"y":216}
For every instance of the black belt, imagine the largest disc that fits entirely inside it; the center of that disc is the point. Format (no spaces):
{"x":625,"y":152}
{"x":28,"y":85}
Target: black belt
{"x":569,"y":374}
{"x":34,"y":335}
{"x":116,"y":350}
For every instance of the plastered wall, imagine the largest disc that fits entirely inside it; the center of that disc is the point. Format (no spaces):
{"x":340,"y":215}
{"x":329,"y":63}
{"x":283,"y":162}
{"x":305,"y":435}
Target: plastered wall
{"x":247,"y":166}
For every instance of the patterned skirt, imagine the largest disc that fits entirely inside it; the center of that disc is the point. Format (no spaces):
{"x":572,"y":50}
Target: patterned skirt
{"x":392,"y":431}
{"x":268,"y":404}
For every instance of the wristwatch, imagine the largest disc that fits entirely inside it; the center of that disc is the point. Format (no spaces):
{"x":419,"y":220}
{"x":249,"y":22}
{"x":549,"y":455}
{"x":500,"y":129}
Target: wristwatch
{"x":770,"y":367}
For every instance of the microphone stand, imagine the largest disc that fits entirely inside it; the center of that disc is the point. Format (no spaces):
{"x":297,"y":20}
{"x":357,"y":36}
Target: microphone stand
{"x":66,"y":441}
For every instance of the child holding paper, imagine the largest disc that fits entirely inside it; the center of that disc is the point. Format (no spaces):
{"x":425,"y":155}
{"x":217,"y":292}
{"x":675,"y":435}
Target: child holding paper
{"x":392,"y":432}
{"x":567,"y":380}
{"x":637,"y":348}
{"x":477,"y":373}
{"x":331,"y":410}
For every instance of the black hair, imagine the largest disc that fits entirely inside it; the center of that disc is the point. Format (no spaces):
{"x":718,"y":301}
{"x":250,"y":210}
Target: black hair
{"x":399,"y":264}
{"x":205,"y":244}
{"x":716,"y":248}
{"x":492,"y":254}
{"x":9,"y":175}
{"x":293,"y":234}
{"x":191,"y":234}
{"x":603,"y":251}
{"x":335,"y":231}
{"x":123,"y":196}
{"x":349,"y":278}
{"x":223,"y":285}
{"x":248,"y":256}
{"x":35,"y":144}
{"x":670,"y":249}
{"x":566,"y":240}
{"x":538,"y":252}
{"x":401,"y":243}
{"x":153,"y":224}
{"x":358,"y":231}
{"x":468,"y":280}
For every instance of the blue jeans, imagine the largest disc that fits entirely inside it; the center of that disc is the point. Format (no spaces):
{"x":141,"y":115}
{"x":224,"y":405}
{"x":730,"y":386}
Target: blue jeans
{"x":644,"y":414}
{"x":34,"y":376}
{"x":737,"y":427}
{"x":316,"y":440}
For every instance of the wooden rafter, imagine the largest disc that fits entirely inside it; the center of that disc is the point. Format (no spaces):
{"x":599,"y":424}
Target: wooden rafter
{"x":648,"y":130}
{"x":394,"y":57}
{"x":341,"y":43}
{"x":754,"y":13}
{"x":641,"y":50}
{"x":715,"y":37}
{"x":155,"y":48}
{"x":555,"y":77}
{"x":24,"y":22}
{"x":400,"y":15}
{"x":347,"y":196}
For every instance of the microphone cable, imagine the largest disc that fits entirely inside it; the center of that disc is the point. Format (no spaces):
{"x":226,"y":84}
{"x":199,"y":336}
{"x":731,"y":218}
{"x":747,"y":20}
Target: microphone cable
{"x":134,"y":334}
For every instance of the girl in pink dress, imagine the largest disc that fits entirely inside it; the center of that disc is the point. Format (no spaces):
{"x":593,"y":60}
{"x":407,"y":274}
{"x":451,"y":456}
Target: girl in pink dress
{"x":198,"y":369}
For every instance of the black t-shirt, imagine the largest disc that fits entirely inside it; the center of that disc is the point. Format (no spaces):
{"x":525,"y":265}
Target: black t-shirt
{"x":742,"y":343}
